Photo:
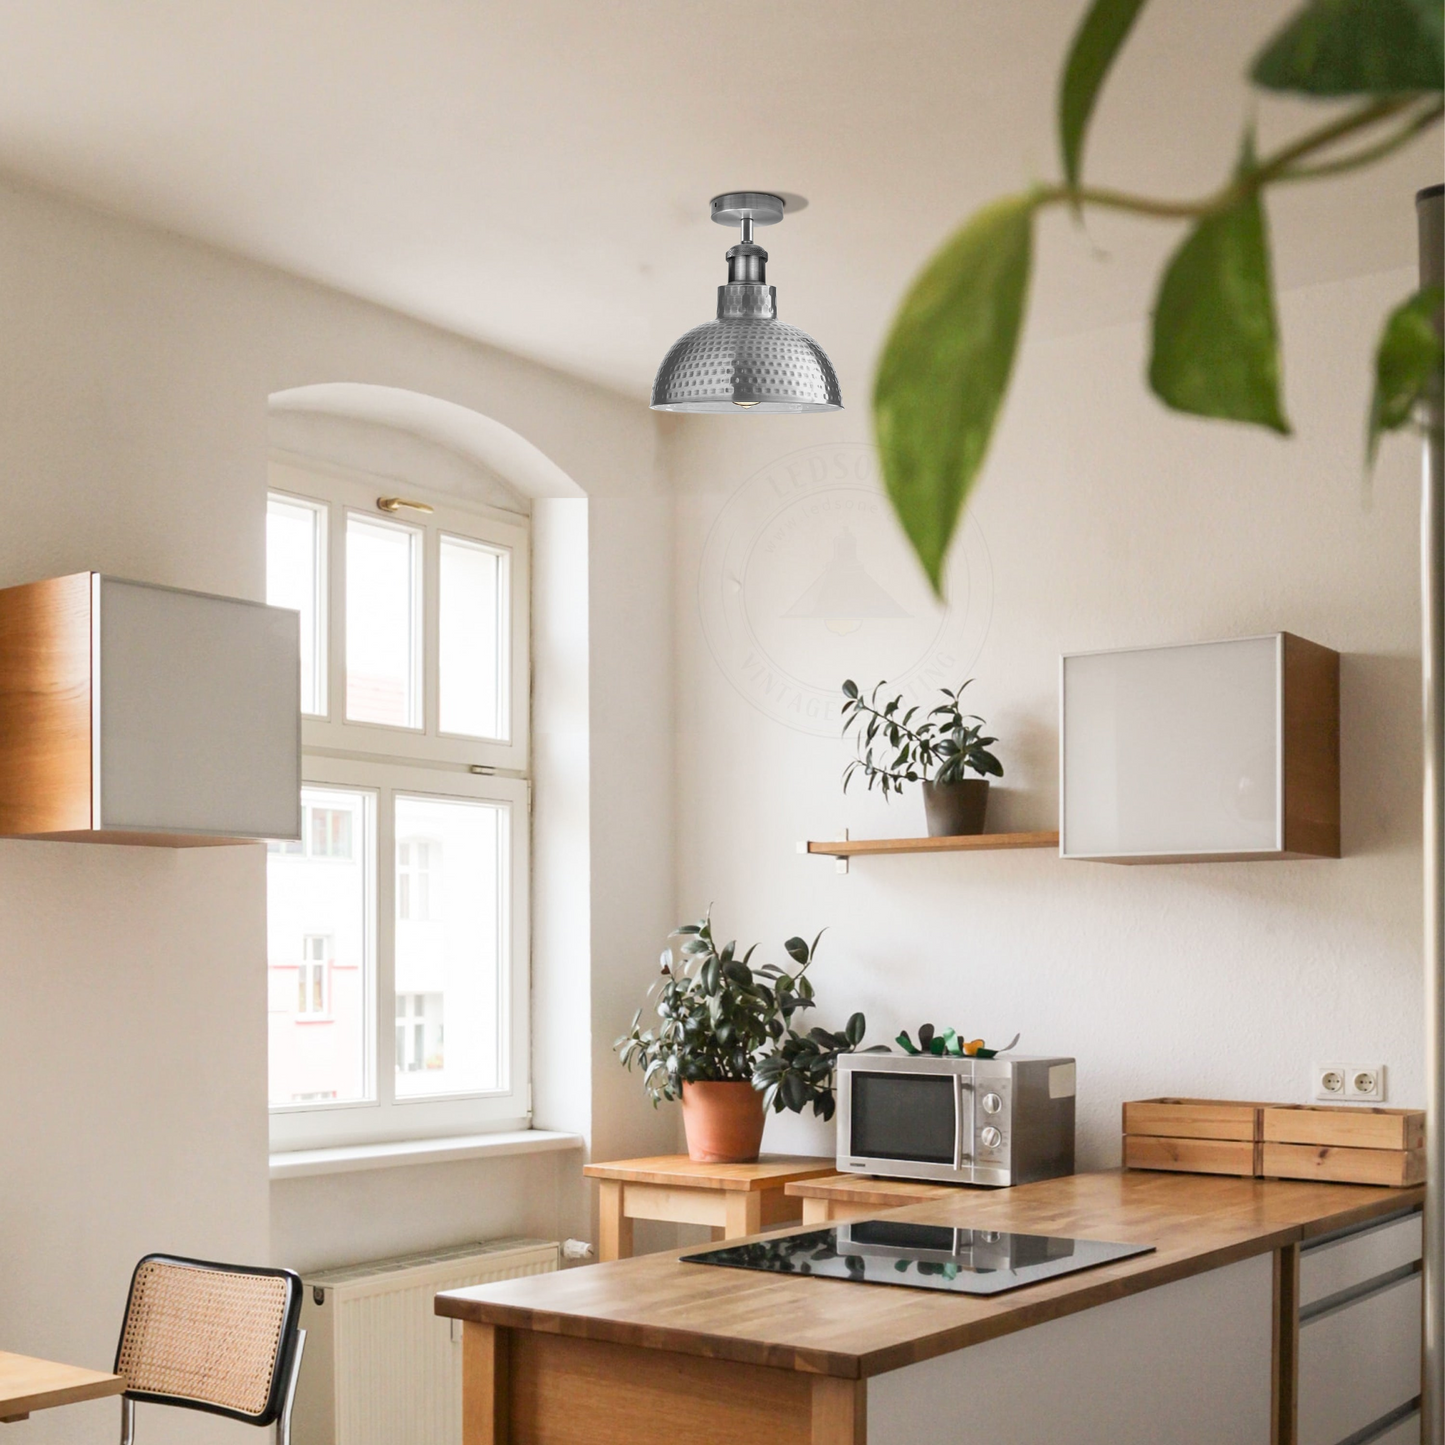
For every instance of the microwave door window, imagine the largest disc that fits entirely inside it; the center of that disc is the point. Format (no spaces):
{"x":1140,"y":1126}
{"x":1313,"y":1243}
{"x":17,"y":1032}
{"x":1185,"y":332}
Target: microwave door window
{"x":903,"y":1116}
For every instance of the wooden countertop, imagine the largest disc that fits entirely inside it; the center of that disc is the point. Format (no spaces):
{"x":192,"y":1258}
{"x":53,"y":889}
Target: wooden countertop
{"x":885,"y":1193}
{"x":832,"y":1327}
{"x":770,"y":1171}
{"x":28,"y":1384}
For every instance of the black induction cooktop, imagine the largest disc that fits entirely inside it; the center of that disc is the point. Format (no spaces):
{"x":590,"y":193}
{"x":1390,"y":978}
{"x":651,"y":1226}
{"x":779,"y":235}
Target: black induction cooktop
{"x":921,"y":1256}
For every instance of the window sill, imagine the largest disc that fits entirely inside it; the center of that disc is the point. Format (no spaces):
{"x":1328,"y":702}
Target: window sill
{"x":350,"y":1158}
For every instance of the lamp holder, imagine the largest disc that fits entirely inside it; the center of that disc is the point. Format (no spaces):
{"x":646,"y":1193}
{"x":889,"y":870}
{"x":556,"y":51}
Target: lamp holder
{"x":762,"y":208}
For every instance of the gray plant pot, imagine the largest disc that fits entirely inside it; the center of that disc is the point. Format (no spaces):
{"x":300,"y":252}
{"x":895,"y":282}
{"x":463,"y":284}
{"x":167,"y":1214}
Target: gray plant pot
{"x":956,"y":809}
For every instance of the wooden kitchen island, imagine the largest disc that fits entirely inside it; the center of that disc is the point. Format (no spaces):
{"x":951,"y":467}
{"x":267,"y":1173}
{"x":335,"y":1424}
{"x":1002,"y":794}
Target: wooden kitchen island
{"x":1196,"y":1342}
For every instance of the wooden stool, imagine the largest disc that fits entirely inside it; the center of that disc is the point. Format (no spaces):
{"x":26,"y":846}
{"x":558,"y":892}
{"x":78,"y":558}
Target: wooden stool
{"x":735,"y":1199}
{"x":856,"y":1196}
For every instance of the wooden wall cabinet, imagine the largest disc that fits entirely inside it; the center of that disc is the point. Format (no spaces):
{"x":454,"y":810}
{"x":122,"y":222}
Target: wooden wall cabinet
{"x":132,"y":713}
{"x":1203,"y":752}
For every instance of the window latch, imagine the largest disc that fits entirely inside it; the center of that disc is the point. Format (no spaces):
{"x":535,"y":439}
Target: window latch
{"x":395,"y":504}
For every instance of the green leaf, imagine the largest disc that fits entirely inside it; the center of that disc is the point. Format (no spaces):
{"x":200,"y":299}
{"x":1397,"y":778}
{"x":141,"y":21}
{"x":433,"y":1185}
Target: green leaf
{"x":1097,"y":41}
{"x":1409,"y":362}
{"x":945,"y":369}
{"x":797,"y":950}
{"x":905,"y":1043}
{"x":1216,"y":340}
{"x":855,"y":1028}
{"x":1357,"y":47}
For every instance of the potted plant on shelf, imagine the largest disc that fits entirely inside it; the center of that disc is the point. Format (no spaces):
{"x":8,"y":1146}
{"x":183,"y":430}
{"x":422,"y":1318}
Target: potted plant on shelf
{"x":897,"y":746}
{"x":725,"y":1045}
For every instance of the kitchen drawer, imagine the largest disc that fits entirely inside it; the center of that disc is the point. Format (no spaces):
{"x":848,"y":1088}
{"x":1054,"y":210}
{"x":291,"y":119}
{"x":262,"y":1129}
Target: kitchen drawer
{"x":1359,"y":1362}
{"x":1341,"y":1264}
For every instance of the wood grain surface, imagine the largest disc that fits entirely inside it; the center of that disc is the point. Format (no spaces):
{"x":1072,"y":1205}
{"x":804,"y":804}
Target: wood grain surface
{"x":1192,"y":1156}
{"x":28,"y":1384}
{"x":1396,"y":1168}
{"x":45,"y":706}
{"x":1348,"y":1128}
{"x":831,"y":1327}
{"x":866,"y":1189}
{"x":1193,"y":1118}
{"x":771,"y":1171}
{"x":967,"y":843}
{"x":1310,"y":748}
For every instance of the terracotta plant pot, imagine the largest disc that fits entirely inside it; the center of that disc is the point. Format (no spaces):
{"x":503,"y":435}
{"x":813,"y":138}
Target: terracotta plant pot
{"x":723,"y":1122}
{"x":955,"y":810}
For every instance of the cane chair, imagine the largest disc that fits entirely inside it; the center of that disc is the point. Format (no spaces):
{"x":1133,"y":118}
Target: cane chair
{"x":218,"y":1337}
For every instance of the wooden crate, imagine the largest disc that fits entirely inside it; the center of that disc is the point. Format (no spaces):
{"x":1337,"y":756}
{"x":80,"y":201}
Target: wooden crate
{"x":1192,"y":1156}
{"x":1192,"y":1136}
{"x":1193,"y":1118}
{"x":1330,"y":1142}
{"x":1344,"y":1128}
{"x":1396,"y":1168}
{"x":1349,"y":1146}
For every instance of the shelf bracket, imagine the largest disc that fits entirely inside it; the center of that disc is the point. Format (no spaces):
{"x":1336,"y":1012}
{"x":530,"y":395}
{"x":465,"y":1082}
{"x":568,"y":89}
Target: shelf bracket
{"x":840,"y":862}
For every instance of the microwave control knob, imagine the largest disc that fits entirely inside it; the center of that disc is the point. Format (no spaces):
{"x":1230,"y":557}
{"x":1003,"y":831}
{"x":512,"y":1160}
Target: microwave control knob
{"x":991,"y":1103}
{"x":989,"y":1137}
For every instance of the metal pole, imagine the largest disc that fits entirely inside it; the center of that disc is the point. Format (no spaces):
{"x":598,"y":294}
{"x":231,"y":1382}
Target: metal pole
{"x":1429,"y":205}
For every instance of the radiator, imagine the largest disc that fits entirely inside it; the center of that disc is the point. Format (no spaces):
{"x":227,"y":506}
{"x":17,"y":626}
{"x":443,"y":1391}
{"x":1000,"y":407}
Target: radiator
{"x":381,"y":1368}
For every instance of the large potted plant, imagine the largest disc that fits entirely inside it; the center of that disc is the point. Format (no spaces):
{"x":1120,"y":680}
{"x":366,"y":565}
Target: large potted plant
{"x":897,"y":745}
{"x":724,"y":1042}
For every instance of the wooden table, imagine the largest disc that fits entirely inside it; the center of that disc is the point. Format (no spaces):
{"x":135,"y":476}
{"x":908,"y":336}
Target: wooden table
{"x":27,"y":1384}
{"x":735,"y":1199}
{"x":856,"y":1196}
{"x":648,"y":1352}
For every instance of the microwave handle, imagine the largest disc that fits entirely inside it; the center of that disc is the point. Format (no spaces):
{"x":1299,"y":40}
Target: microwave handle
{"x":962,"y":1141}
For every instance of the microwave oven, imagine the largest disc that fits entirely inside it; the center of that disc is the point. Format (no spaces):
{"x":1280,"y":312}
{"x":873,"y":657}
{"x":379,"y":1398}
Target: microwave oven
{"x":956,"y":1120}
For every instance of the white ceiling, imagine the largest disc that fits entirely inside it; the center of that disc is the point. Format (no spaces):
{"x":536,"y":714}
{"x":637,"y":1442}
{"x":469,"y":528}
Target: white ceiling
{"x":536,"y":174}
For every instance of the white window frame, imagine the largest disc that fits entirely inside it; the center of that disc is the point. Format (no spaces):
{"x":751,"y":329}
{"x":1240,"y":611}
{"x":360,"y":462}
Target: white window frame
{"x":345,"y":493}
{"x":384,"y":761}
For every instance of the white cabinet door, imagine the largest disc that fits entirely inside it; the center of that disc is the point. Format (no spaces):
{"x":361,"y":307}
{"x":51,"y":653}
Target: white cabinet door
{"x":197,"y":701}
{"x":1359,"y":1338}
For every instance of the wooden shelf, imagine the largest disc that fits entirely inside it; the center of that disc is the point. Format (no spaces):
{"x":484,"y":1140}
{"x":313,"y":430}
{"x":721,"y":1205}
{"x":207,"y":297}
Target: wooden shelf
{"x":971,"y":843}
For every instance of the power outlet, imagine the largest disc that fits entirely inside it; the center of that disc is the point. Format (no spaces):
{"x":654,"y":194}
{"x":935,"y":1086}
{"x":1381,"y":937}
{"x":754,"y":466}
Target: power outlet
{"x":1357,"y":1083}
{"x":1365,"y":1083}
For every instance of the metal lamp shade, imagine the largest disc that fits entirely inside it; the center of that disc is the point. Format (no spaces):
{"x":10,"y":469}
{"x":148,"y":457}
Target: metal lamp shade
{"x":747,"y":360}
{"x":746,"y":363}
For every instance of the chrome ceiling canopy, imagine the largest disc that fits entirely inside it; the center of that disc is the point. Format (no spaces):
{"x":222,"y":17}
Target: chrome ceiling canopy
{"x":747,"y":360}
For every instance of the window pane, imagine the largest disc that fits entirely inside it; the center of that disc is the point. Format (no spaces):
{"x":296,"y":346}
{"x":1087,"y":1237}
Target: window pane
{"x":295,"y":578}
{"x":383,"y":623}
{"x":318,"y":947}
{"x":451,"y":932}
{"x":473,"y":639}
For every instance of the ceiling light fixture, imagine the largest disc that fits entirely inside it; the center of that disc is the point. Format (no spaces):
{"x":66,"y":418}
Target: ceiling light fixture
{"x":747,"y":359}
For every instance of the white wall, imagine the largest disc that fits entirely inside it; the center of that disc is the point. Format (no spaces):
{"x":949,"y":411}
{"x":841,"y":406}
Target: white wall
{"x":1102,"y":521}
{"x":134,"y":373}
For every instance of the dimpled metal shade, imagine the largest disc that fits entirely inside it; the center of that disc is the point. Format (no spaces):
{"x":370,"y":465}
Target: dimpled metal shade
{"x":747,"y":360}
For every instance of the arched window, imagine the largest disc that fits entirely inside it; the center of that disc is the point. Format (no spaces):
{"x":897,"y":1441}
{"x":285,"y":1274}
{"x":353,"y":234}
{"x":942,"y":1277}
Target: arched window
{"x":397,"y":928}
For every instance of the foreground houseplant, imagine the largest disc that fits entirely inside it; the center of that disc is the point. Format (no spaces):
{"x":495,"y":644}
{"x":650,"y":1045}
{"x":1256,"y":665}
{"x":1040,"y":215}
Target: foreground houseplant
{"x":725,"y":1045}
{"x":897,"y":746}
{"x":1214,"y":345}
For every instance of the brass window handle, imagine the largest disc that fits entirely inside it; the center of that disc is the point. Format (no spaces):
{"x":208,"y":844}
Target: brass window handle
{"x":393,"y":504}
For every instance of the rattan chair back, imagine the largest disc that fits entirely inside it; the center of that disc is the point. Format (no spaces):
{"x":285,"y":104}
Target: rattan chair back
{"x":213,"y":1337}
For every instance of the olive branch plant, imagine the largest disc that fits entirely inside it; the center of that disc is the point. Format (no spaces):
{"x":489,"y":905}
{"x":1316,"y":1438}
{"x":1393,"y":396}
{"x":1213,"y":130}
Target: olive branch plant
{"x":945,"y":741}
{"x":1215,"y":347}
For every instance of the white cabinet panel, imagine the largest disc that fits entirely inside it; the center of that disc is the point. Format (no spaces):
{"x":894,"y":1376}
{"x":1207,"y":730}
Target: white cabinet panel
{"x":1327,"y":1269}
{"x":1208,"y":750}
{"x":1359,"y":1362}
{"x":1186,"y":1363}
{"x":198,"y":705}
